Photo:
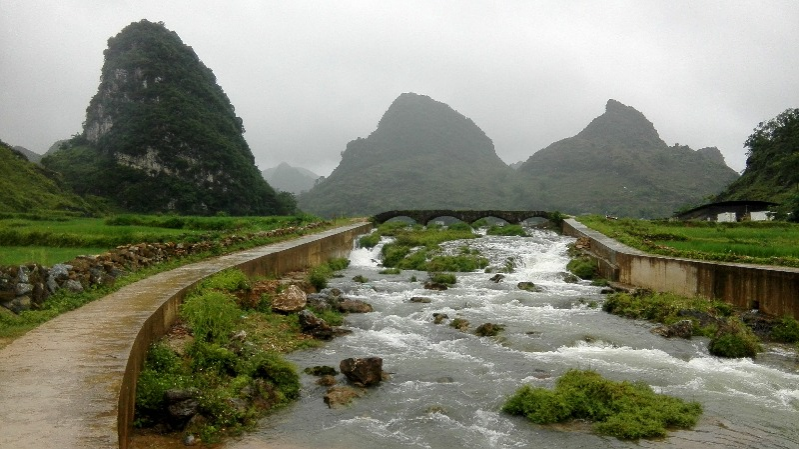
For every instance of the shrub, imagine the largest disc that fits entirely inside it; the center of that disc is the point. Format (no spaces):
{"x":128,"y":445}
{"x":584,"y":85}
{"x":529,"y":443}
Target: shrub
{"x":161,"y":372}
{"x":369,"y":240}
{"x":277,"y":371}
{"x":621,"y":409}
{"x":583,"y":267}
{"x":734,"y":340}
{"x":338,"y":264}
{"x":211,"y":315}
{"x":443,"y":278}
{"x":786,"y":330}
{"x":318,"y":276}
{"x":390,"y":271}
{"x":229,"y":280}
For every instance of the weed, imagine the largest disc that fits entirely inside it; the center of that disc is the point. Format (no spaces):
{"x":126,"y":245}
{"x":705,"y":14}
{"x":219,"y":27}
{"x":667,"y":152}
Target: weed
{"x":583,"y":267}
{"x":211,"y":315}
{"x":443,"y":278}
{"x":734,"y":339}
{"x":621,"y":409}
{"x":786,"y":330}
{"x":369,"y":240}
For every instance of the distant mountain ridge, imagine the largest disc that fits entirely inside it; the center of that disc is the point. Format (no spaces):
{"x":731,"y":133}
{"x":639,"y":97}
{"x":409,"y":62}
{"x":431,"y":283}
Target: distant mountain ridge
{"x":422,"y":155}
{"x":162,"y":136}
{"x":28,"y":188}
{"x":32,"y":156}
{"x":290,"y":179}
{"x":619,"y":165}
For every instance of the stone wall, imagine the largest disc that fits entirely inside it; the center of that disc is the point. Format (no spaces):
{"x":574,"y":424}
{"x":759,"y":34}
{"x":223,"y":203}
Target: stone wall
{"x":772,"y":290}
{"x":25,"y":287}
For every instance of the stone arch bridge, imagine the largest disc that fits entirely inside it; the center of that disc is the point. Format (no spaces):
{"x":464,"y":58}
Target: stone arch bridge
{"x":469,"y":216}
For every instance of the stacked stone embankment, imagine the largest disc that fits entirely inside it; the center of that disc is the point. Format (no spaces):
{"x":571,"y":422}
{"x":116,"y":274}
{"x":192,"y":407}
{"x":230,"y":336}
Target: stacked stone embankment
{"x":27,"y":286}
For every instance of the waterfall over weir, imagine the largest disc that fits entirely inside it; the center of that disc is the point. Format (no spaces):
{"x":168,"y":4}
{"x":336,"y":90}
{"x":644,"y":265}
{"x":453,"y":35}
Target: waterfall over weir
{"x":447,"y":386}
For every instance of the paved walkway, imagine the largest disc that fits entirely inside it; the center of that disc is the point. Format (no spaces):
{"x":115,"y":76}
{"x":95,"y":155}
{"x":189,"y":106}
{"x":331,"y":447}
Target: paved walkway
{"x":60,"y":383}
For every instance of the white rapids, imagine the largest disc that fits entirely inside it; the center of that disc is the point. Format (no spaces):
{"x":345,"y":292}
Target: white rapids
{"x":447,"y":386}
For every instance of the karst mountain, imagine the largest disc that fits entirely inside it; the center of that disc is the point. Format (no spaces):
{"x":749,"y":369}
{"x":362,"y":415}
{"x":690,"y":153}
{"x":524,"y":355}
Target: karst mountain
{"x":423,"y":155}
{"x":288,"y":178}
{"x":161,"y":135}
{"x":619,"y":165}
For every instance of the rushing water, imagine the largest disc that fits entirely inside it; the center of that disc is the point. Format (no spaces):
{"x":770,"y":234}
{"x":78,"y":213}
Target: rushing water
{"x":447,"y":386}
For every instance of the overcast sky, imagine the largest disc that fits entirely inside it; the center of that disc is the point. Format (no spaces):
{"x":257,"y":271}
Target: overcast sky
{"x":309,"y":76}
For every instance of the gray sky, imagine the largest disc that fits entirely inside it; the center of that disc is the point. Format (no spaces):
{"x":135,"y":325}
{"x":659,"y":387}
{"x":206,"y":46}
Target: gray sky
{"x":309,"y":76}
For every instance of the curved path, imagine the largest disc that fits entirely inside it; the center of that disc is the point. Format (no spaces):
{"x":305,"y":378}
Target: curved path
{"x":70,"y":382}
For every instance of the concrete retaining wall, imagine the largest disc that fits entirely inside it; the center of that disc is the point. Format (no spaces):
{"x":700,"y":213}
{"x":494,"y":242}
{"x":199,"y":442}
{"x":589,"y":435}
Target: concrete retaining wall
{"x":772,"y":290}
{"x":71,"y":382}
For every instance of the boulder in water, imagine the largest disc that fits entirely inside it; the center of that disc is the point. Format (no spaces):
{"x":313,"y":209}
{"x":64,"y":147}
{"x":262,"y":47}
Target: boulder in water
{"x":363,"y":372}
{"x":340,"y":396}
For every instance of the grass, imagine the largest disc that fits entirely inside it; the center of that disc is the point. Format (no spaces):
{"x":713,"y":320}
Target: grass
{"x":621,"y":409}
{"x":13,"y":326}
{"x":768,"y":243}
{"x":44,"y":255}
{"x":52,"y":238}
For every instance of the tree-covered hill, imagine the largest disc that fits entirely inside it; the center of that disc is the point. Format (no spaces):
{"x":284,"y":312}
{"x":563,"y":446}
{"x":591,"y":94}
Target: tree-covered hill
{"x":28,"y":188}
{"x":423,"y":155}
{"x":619,"y":165}
{"x":161,"y":135}
{"x":772,"y":165}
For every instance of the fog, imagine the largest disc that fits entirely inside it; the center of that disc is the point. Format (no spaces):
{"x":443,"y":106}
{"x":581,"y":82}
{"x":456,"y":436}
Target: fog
{"x":307,"y":77}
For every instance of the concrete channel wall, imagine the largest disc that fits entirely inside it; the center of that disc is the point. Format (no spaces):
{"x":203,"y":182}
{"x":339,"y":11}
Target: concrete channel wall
{"x":71,"y":382}
{"x":773,"y":290}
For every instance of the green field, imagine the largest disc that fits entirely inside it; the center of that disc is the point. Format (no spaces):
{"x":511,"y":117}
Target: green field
{"x":771,"y":243}
{"x":49,"y":240}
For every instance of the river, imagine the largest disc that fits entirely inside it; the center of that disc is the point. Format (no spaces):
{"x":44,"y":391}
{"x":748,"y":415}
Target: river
{"x":447,"y":386}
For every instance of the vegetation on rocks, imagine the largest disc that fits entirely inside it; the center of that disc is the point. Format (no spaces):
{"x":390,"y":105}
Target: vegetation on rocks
{"x":626,"y":410}
{"x":729,"y":336}
{"x":417,"y":248}
{"x":786,"y":330}
{"x":230,"y":366}
{"x":583,"y":267}
{"x":320,"y":274}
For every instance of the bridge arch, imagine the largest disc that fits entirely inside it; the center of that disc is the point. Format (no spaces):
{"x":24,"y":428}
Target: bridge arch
{"x":423,"y":216}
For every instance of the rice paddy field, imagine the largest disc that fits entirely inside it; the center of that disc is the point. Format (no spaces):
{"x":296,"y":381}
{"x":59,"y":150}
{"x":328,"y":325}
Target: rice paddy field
{"x":770,"y":243}
{"x":47,"y":240}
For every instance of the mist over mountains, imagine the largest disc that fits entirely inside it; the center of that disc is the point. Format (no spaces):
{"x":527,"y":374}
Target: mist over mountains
{"x":286,"y":178}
